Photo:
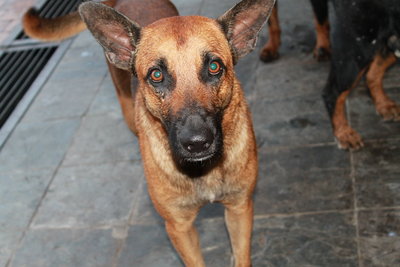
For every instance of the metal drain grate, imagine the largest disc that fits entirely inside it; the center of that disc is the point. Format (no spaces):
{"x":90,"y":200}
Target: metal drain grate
{"x":19,"y":70}
{"x":23,"y":62}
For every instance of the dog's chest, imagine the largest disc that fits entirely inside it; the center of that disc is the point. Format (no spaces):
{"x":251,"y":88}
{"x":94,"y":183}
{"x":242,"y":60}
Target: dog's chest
{"x":213,"y":189}
{"x":210,"y":194}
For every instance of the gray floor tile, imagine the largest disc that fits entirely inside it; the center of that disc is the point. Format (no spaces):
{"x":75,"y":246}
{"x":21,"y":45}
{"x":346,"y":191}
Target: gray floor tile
{"x":303,"y":179}
{"x":304,"y":159}
{"x":66,"y":248}
{"x":106,"y":100}
{"x":8,"y":244}
{"x":72,"y":86}
{"x":245,"y":71}
{"x":366,"y":121}
{"x":94,"y":195}
{"x":377,"y":188}
{"x":215,"y":242}
{"x":379,"y":237}
{"x":305,"y":240}
{"x":67,"y":97}
{"x":379,"y":155}
{"x":148,"y":250}
{"x":291,"y":78}
{"x":84,"y":54}
{"x":293,"y":122}
{"x":214,"y":9}
{"x":391,"y":78}
{"x":308,"y":240}
{"x":37,"y":145}
{"x":279,"y":191}
{"x":145,"y":212}
{"x":85,"y":40}
{"x":20,"y":195}
{"x":155,"y":249}
{"x":102,"y":138}
{"x":186,"y":8}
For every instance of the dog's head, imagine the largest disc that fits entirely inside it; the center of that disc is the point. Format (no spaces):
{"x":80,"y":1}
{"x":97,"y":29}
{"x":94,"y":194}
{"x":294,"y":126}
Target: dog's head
{"x":184,"y":66}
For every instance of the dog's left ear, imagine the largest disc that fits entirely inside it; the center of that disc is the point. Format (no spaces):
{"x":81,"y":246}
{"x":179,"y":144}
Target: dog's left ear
{"x":243,"y":22}
{"x":117,"y":34}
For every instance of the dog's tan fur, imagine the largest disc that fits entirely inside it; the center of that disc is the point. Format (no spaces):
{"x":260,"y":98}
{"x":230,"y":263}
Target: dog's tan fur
{"x":181,"y":42}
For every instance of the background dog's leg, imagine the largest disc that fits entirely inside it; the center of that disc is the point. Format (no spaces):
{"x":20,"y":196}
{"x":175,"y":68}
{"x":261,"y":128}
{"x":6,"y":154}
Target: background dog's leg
{"x":185,"y":239}
{"x":239,"y":221}
{"x":346,"y":136}
{"x":122,"y":80}
{"x":335,"y":101}
{"x":322,"y":50}
{"x":270,"y":51}
{"x":385,"y":106}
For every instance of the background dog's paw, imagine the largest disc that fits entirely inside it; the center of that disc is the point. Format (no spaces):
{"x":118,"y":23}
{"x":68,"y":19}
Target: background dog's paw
{"x":347,"y":138}
{"x":389,"y":111}
{"x":322,"y":53}
{"x":268,"y":55}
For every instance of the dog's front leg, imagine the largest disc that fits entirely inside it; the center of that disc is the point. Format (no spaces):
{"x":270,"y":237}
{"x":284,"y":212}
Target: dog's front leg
{"x":239,"y":221}
{"x":185,"y":239}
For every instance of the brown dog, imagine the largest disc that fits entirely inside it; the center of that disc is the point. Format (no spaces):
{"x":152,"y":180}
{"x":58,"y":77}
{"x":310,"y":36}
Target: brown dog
{"x":187,"y":108}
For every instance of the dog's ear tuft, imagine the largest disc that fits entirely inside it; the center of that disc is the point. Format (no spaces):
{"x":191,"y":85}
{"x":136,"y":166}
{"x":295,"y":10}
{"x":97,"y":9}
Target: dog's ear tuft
{"x":117,"y":34}
{"x":243,"y":22}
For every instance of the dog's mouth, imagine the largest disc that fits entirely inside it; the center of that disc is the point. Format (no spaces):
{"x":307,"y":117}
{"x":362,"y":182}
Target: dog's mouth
{"x":195,"y":167}
{"x":200,"y":158}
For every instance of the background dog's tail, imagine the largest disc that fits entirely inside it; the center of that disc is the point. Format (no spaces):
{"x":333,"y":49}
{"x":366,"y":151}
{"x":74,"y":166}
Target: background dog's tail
{"x":54,"y":29}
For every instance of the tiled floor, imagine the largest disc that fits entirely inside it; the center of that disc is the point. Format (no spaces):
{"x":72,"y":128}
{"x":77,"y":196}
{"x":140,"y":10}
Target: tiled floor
{"x":11,"y":12}
{"x":73,"y":193}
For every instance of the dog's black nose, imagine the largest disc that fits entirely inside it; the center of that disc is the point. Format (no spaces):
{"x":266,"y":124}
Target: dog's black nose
{"x":197,"y":142}
{"x":196,"y":135}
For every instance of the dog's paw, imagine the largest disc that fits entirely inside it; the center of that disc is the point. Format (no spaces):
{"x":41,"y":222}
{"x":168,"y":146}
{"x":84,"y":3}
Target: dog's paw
{"x":347,"y":138}
{"x":268,"y":55}
{"x":322,"y":53}
{"x":389,"y":111}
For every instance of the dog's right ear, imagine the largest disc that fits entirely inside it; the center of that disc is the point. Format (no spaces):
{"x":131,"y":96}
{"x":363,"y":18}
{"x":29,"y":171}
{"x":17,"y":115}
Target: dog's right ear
{"x":117,"y":34}
{"x":242,"y":23}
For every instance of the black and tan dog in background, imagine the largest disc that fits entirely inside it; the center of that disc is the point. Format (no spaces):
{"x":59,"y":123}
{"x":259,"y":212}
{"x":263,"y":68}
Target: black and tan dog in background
{"x":364,"y":41}
{"x":322,"y":50}
{"x":176,"y":85}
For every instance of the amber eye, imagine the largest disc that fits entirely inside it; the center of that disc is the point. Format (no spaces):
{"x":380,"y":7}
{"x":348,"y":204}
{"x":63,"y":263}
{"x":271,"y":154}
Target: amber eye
{"x":214,"y":68}
{"x":156,"y":75}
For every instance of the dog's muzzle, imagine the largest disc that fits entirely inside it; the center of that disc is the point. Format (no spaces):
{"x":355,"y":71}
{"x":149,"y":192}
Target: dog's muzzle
{"x":196,"y":137}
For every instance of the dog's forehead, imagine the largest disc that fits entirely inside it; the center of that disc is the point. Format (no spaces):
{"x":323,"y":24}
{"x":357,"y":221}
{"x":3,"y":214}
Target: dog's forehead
{"x":183,"y":35}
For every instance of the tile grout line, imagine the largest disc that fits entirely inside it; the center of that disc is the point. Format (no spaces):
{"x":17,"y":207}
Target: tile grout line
{"x":29,"y":226}
{"x":103,"y":79}
{"x":256,"y":217}
{"x":322,"y":144}
{"x":355,"y":208}
{"x":353,"y":181}
{"x":318,"y":212}
{"x":122,"y":242}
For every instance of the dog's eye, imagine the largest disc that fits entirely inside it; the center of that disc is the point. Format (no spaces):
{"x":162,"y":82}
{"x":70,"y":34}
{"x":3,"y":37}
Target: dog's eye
{"x":214,"y":68}
{"x":156,"y":76}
